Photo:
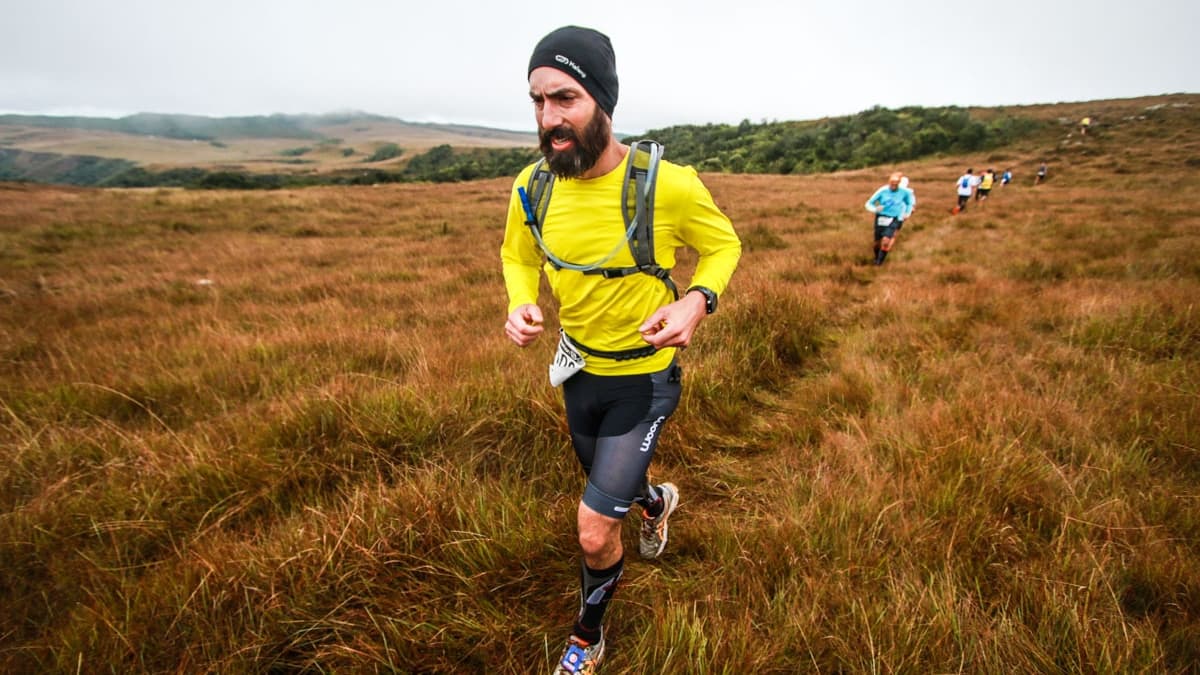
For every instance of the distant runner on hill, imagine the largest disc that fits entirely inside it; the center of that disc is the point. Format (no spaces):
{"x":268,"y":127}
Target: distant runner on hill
{"x":985,"y":186}
{"x":1041,"y":174}
{"x":1083,"y":125}
{"x":890,"y":204}
{"x":1006,"y":177}
{"x":622,"y":318}
{"x":965,"y":186}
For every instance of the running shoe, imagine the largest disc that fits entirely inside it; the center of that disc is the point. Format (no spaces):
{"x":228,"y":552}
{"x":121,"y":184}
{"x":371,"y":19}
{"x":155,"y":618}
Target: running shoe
{"x":580,"y":658}
{"x":654,"y":530}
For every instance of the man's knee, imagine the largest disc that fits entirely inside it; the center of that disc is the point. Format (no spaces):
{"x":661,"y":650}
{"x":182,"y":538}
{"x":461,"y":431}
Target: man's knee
{"x":596,"y":542}
{"x":598,"y":534}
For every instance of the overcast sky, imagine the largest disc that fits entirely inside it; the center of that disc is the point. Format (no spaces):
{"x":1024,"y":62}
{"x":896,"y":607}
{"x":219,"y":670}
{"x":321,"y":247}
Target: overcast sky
{"x":679,"y":62}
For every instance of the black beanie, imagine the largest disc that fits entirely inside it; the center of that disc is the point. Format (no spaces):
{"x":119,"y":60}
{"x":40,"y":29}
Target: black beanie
{"x":584,"y":54}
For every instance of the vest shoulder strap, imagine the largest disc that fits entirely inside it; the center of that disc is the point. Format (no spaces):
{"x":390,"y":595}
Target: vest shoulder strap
{"x":637,"y":201}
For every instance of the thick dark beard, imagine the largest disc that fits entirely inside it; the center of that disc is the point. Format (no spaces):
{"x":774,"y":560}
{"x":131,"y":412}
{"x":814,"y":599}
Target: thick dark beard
{"x":586,"y":152}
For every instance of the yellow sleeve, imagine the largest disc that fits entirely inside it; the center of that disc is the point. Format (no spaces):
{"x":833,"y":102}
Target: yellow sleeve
{"x":519,"y":254}
{"x":705,"y":228}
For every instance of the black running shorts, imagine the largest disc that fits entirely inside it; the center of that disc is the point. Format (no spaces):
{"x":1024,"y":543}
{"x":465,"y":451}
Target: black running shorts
{"x":615,"y":423}
{"x":888,"y":230}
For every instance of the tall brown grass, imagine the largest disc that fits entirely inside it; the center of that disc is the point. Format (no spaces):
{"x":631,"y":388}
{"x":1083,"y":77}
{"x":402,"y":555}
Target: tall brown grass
{"x":282,"y":431}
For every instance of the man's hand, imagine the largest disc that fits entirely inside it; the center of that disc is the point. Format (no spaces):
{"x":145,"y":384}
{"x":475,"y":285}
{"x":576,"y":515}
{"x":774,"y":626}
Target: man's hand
{"x":674,"y":324}
{"x":524,"y":324}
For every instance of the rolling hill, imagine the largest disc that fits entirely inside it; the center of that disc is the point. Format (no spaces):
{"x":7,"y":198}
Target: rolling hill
{"x":149,"y":150}
{"x":276,"y":143}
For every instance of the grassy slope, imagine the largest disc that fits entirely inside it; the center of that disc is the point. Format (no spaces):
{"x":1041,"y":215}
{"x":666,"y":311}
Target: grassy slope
{"x":981,"y":457}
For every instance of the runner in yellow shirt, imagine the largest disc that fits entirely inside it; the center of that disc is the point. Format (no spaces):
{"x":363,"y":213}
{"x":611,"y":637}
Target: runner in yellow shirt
{"x":616,"y":361}
{"x":985,"y":186}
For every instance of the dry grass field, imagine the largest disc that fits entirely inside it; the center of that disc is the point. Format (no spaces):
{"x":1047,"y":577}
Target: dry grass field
{"x":283,"y":432}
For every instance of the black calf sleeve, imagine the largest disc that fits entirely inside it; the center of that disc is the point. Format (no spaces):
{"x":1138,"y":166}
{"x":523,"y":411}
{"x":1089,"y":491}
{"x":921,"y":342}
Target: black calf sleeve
{"x":597,"y":587}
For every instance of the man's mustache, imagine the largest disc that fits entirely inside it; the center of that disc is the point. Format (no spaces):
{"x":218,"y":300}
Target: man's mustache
{"x":560,"y":133}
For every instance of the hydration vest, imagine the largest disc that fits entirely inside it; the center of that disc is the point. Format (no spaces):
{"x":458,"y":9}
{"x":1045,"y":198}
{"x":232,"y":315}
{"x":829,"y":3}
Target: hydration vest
{"x":637,"y":201}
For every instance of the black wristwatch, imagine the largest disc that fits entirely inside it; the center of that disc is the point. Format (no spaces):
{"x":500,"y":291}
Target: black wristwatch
{"x":710,"y":298}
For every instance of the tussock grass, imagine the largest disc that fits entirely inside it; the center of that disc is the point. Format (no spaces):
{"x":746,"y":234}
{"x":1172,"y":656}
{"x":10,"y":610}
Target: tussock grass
{"x":276,"y":432}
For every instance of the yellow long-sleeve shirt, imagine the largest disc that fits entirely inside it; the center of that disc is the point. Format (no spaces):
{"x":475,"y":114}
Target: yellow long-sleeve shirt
{"x":583,"y":224}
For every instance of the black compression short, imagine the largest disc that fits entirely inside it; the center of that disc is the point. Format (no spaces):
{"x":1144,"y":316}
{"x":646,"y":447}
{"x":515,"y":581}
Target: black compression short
{"x":615,"y":423}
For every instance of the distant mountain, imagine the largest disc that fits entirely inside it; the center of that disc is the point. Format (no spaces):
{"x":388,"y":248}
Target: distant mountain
{"x":183,"y":127}
{"x":199,"y":128}
{"x":92,"y":150}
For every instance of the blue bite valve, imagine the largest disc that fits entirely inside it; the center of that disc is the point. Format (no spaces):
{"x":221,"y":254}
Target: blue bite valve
{"x":526,"y":205}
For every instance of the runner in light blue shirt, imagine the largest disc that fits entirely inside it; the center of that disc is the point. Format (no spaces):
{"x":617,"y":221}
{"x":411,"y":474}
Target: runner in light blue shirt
{"x":891,"y":204}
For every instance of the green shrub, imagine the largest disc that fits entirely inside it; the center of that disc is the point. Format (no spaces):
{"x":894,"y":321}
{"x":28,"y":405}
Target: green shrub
{"x":385,"y":152}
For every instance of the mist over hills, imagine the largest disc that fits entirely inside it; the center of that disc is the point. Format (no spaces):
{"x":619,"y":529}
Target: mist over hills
{"x":201,"y":128}
{"x":185,"y":127}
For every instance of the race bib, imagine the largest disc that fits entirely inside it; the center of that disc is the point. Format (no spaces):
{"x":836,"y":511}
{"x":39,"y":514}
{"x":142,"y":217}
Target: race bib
{"x":567,"y":361}
{"x":883,"y":221}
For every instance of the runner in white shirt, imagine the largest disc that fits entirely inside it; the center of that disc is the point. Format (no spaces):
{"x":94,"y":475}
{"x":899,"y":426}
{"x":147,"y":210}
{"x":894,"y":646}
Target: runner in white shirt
{"x":965,"y":185}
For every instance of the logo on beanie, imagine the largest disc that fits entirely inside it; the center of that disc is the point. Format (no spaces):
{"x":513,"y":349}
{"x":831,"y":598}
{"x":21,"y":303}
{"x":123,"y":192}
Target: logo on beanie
{"x":570,"y":64}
